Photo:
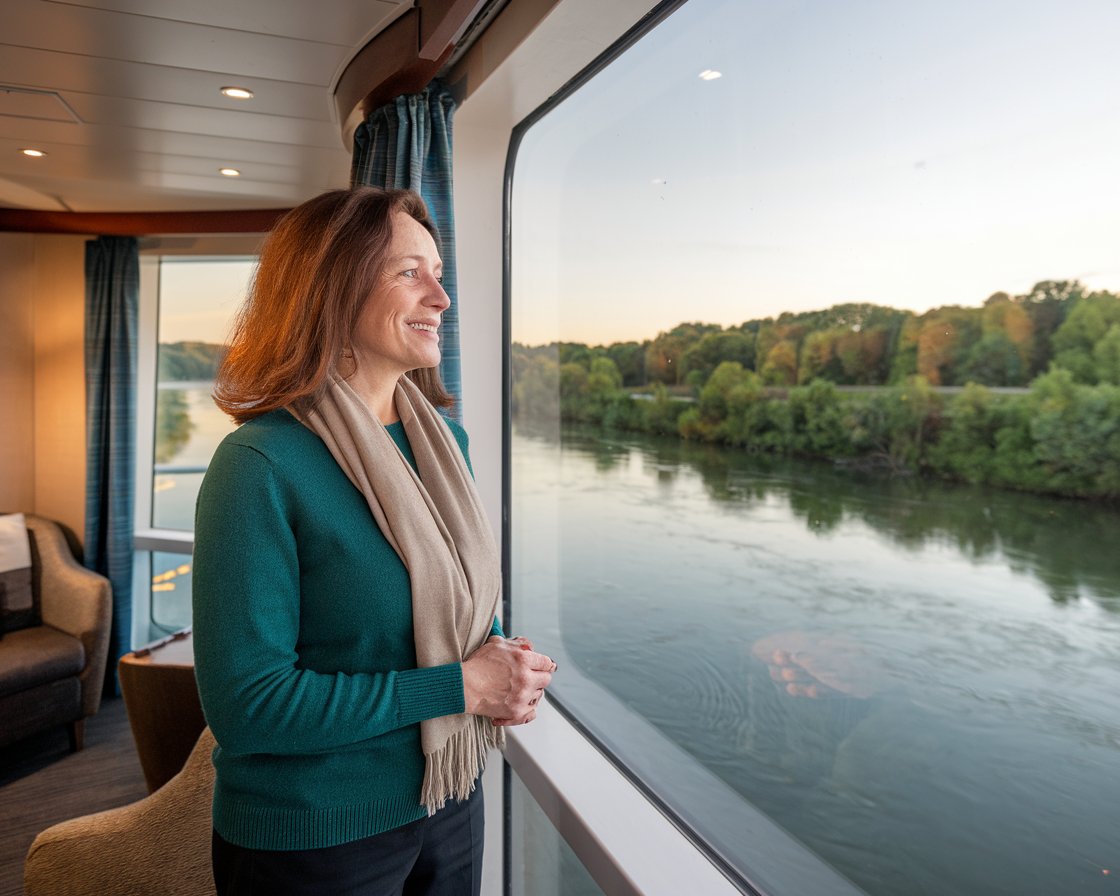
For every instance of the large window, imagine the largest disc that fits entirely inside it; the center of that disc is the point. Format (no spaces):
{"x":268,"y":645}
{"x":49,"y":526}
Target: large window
{"x":815,"y":319}
{"x":189,"y":303}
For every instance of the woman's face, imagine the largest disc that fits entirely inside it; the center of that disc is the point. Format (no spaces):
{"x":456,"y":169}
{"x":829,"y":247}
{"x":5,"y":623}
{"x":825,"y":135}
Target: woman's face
{"x":397,"y":329}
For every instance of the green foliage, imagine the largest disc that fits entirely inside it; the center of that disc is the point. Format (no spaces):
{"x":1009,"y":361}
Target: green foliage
{"x":1076,"y":434}
{"x":1106,"y":356}
{"x":1047,"y":305}
{"x":630,"y":359}
{"x":704,"y":356}
{"x":994,"y":361}
{"x":904,"y":363}
{"x":1088,"y":323}
{"x":896,"y":425}
{"x":187,"y":361}
{"x":586,"y":394}
{"x":664,"y":356}
{"x":663,"y":413}
{"x":818,"y":424}
{"x":536,"y":383}
{"x":967,"y":447}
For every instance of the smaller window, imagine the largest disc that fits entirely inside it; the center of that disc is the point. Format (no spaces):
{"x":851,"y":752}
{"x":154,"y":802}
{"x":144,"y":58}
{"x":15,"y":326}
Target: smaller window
{"x":188,"y":303}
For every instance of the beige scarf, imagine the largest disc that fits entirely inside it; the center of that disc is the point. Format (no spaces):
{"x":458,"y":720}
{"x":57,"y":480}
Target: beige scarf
{"x":436,"y":524}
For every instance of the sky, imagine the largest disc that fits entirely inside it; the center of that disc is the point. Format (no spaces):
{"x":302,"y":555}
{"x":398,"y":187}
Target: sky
{"x":906,"y":154}
{"x":199,"y":297}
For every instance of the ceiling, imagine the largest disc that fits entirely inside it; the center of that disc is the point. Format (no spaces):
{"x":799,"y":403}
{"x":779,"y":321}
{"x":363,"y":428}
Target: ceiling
{"x":123,"y":97}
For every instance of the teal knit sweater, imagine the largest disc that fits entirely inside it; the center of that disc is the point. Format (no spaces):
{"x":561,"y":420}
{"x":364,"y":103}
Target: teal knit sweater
{"x":304,"y":649}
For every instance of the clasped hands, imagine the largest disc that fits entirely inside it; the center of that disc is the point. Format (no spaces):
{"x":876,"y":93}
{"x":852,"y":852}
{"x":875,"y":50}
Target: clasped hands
{"x":504,"y":680}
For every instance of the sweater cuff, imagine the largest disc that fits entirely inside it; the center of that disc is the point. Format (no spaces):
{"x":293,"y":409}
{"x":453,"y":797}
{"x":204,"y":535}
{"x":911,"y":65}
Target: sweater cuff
{"x":424,"y":694}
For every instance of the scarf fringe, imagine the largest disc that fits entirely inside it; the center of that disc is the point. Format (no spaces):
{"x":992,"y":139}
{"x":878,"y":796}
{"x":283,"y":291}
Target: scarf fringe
{"x":452,"y":771}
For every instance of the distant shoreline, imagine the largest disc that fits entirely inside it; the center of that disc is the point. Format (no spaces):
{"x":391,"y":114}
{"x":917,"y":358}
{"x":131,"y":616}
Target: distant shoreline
{"x":185,"y":384}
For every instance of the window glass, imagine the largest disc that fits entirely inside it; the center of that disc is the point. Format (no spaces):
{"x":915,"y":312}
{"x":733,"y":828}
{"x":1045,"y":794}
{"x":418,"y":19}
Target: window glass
{"x":815,"y":317}
{"x":542,"y":863}
{"x":197,"y":301}
{"x":171,"y":592}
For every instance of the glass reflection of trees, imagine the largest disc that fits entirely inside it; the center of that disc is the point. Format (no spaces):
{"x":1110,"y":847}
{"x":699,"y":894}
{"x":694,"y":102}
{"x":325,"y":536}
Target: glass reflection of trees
{"x":1049,"y":538}
{"x":173,"y":424}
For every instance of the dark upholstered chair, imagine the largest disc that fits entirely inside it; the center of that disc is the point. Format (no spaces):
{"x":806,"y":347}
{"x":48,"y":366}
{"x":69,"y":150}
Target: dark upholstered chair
{"x":53,"y":673}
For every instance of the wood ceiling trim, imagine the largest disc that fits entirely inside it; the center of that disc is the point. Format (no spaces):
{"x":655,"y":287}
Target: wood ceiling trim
{"x":20,"y":220}
{"x":402,"y":59}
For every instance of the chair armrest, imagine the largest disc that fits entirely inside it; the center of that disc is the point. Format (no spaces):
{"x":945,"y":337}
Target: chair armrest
{"x":75,"y":600}
{"x":160,"y":844}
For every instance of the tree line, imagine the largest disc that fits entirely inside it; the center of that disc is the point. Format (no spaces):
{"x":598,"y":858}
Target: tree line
{"x":772,"y":385}
{"x":186,"y":361}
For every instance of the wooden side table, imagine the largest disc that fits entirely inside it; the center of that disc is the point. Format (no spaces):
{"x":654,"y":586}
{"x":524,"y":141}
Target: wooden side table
{"x":164,"y":712}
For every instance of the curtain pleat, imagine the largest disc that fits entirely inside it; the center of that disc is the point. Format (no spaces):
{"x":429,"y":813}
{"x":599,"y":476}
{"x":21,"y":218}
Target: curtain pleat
{"x":112,"y":307}
{"x":406,"y":144}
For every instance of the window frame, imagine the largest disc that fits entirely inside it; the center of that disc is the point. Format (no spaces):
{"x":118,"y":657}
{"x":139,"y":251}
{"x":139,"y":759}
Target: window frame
{"x":148,"y":539}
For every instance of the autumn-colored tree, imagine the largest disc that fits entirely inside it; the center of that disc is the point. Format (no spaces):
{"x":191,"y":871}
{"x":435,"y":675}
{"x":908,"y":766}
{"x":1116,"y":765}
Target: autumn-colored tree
{"x":1001,"y":315}
{"x":944,"y":339}
{"x":780,"y":368}
{"x":935,"y":348}
{"x":863,"y":355}
{"x":664,"y":355}
{"x":818,"y":357}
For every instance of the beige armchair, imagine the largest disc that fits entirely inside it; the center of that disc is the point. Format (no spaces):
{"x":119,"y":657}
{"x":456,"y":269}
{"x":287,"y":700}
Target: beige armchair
{"x":160,"y":844}
{"x":53,"y":673}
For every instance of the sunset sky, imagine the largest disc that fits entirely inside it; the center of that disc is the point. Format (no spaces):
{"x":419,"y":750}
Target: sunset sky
{"x":199,"y":297}
{"x":906,"y":154}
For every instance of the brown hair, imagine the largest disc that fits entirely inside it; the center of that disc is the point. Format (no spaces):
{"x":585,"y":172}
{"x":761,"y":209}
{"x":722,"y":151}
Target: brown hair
{"x":317,"y":269}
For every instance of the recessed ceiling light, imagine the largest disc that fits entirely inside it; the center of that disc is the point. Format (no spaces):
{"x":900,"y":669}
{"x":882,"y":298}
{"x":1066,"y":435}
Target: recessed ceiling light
{"x":710,"y":74}
{"x":34,"y":153}
{"x":237,"y":93}
{"x":229,"y":172}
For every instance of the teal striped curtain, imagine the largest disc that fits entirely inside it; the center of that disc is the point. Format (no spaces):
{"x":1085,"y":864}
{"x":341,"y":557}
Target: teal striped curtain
{"x":112,"y":309}
{"x":406,"y":144}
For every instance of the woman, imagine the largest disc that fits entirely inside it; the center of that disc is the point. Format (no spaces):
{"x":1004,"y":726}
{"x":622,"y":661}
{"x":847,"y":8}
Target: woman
{"x":346,"y":584}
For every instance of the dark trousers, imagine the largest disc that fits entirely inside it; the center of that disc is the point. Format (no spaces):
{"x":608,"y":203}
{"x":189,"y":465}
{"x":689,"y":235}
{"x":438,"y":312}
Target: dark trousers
{"x":437,"y":856}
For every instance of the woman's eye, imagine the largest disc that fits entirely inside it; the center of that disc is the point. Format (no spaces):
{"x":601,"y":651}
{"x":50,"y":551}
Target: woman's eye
{"x":412,"y":273}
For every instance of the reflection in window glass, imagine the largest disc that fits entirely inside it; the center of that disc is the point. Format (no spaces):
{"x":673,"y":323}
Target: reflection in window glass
{"x":171,"y":592}
{"x":542,"y":863}
{"x":816,"y":378}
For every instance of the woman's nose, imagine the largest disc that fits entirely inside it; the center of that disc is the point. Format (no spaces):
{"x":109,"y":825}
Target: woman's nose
{"x":438,"y":297}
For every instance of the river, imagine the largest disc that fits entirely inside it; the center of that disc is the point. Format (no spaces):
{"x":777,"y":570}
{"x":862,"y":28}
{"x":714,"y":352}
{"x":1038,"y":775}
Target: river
{"x":918,"y":681}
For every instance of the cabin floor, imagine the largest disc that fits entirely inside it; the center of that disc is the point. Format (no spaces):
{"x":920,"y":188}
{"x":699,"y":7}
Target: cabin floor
{"x":42,"y":783}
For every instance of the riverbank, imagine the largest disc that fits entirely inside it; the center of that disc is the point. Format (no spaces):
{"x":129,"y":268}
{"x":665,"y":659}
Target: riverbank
{"x":1058,"y":437}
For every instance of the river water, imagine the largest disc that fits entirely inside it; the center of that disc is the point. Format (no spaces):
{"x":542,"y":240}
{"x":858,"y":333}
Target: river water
{"x":920,"y":682}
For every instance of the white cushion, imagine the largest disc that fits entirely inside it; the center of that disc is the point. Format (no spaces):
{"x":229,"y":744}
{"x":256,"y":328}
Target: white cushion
{"x":15,"y":552}
{"x":17,"y":604}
